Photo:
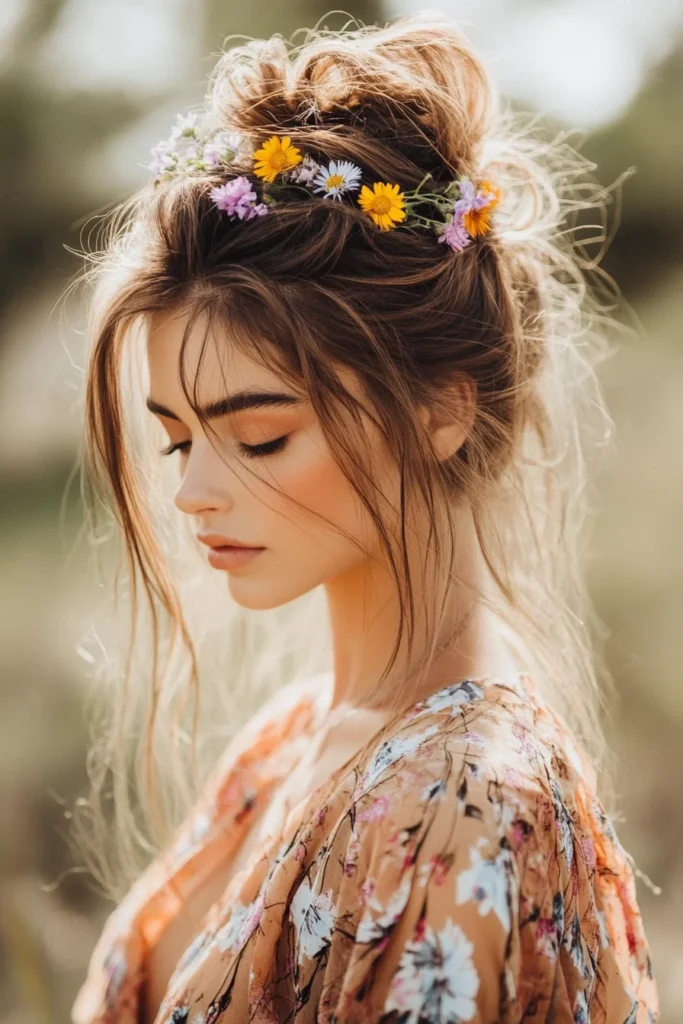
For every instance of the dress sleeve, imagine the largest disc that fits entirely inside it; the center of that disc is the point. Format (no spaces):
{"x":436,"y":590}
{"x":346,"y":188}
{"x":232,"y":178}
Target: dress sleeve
{"x":473,"y":895}
{"x":437,"y":888}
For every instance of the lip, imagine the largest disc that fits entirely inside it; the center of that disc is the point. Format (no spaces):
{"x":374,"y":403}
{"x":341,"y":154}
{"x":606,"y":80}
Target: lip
{"x":219,"y":540}
{"x":229,"y":557}
{"x":226,"y":552}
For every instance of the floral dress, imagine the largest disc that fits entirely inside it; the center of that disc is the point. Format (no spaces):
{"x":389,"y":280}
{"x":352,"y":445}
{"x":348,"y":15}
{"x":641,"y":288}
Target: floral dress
{"x":462,"y":869}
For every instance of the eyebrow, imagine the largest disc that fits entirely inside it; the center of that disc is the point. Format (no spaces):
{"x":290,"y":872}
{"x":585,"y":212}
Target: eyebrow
{"x":237,"y":402}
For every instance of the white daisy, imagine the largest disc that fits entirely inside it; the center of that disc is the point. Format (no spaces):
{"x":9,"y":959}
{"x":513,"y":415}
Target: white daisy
{"x":338,"y":177}
{"x":186,"y":125}
{"x":237,"y":930}
{"x":313,"y":916}
{"x":393,"y":750}
{"x":454,"y":696}
{"x":436,"y":979}
{"x":487,"y":883}
{"x":374,"y":929}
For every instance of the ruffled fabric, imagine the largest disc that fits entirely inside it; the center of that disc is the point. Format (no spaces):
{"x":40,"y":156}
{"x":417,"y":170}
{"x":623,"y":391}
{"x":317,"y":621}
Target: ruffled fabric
{"x":464,"y":870}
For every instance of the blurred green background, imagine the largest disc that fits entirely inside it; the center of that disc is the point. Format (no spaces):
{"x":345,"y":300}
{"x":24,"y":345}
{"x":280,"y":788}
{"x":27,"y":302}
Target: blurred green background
{"x":86,"y":87}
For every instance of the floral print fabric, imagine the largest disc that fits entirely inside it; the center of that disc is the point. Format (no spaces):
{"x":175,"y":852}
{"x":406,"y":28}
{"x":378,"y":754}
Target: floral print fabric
{"x":464,"y":871}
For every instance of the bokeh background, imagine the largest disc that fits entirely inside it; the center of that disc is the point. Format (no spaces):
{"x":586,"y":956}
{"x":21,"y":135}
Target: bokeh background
{"x":86,"y":87}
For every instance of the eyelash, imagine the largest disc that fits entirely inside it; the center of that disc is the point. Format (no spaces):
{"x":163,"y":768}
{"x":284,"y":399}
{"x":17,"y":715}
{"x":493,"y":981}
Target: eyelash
{"x":252,"y":451}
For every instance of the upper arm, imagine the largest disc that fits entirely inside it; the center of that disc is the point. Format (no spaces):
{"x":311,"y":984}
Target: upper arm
{"x":427,"y":923}
{"x":449,"y":947}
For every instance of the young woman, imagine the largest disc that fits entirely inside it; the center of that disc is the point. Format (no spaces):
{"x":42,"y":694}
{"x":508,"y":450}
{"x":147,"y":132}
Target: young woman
{"x":371,"y":345}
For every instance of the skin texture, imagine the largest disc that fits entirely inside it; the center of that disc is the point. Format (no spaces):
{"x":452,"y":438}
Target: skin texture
{"x":226,"y":492}
{"x":277,"y":501}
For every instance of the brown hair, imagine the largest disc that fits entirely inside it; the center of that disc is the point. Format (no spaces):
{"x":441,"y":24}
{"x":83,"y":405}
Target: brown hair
{"x":315,"y":284}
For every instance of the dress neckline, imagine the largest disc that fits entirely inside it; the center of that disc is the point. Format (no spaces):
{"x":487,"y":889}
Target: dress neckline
{"x":518,"y":681}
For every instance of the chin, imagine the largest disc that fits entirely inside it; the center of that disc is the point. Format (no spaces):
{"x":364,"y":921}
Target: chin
{"x":263,"y":594}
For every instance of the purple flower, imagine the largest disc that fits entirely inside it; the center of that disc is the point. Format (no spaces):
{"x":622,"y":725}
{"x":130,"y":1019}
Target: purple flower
{"x":163,"y":159}
{"x":221,"y":148}
{"x":454,"y":234}
{"x":305,"y":172}
{"x":470,"y":199}
{"x":237,"y":197}
{"x":213,"y":154}
{"x":186,"y":125}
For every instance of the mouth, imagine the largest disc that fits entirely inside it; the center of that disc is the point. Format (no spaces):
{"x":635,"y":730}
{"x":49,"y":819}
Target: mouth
{"x":230,"y":556}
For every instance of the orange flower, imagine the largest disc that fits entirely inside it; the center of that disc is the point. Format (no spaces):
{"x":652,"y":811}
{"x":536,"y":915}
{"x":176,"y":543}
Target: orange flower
{"x":493,"y":190}
{"x":478,"y":222}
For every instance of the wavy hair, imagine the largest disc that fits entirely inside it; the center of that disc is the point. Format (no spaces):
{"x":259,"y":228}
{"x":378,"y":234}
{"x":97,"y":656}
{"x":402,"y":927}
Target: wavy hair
{"x":315,"y":285}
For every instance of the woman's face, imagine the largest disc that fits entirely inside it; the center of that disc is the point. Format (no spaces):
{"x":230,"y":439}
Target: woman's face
{"x":267,"y":475}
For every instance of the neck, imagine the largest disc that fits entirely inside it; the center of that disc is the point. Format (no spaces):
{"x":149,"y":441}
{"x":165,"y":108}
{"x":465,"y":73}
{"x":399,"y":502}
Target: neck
{"x":364,"y":611}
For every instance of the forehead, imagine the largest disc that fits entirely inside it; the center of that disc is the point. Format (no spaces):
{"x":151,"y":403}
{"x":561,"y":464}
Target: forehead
{"x":211,"y":357}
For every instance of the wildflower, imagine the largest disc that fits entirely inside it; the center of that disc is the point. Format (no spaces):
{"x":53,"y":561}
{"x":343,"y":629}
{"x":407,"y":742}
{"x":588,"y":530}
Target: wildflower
{"x":186,"y":125}
{"x":237,"y":197}
{"x":276,"y":155}
{"x":338,"y":177}
{"x":493,"y":191}
{"x":454,"y":234}
{"x":384,"y":204}
{"x":164,"y":159}
{"x":220,"y":149}
{"x":476,"y":205}
{"x":305,"y":172}
{"x":478,"y":221}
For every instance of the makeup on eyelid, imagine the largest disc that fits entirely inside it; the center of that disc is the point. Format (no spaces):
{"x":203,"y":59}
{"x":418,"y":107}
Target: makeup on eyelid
{"x":271,"y":435}
{"x":250,"y":451}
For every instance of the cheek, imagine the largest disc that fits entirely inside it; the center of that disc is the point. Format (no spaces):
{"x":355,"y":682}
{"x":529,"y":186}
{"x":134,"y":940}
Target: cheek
{"x":312,"y":478}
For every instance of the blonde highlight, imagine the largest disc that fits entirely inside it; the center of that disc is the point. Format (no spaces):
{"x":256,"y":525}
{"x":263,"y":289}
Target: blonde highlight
{"x":514,"y":313}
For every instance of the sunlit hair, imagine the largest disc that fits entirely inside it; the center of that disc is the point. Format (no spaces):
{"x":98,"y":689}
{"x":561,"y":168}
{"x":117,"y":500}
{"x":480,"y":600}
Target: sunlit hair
{"x":314,"y":286}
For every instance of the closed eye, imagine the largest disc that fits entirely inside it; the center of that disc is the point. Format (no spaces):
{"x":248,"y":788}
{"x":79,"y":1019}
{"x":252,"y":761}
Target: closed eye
{"x":252,"y":451}
{"x":255,"y":451}
{"x":179,"y":446}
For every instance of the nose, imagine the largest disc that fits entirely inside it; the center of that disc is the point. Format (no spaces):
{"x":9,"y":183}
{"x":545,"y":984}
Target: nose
{"x":205,"y":482}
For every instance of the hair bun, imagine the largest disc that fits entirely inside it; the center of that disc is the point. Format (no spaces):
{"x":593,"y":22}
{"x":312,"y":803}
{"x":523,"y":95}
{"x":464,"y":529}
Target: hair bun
{"x":415,"y":85}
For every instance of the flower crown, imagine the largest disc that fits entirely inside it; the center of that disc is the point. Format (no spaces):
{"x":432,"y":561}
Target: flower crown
{"x":464,"y":207}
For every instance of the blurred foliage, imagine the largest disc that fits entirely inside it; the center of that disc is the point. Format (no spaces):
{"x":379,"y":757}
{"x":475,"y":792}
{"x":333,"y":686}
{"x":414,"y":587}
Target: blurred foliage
{"x":648,"y":138}
{"x":48,"y":134}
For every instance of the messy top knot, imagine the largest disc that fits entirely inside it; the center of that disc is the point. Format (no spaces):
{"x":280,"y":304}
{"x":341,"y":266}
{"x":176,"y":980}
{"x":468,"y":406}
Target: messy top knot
{"x":406,"y":99}
{"x":313,"y":288}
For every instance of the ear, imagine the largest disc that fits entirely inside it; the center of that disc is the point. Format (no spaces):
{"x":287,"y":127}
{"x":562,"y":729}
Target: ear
{"x":450,"y":420}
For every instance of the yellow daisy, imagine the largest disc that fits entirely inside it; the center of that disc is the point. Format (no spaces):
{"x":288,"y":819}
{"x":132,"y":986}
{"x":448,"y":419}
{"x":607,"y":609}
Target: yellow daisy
{"x":276,"y":155}
{"x":384,"y":204}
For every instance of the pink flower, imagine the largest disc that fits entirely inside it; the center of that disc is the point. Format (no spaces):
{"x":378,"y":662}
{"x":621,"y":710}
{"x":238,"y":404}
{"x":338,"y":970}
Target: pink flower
{"x":376,"y":811}
{"x":454,"y":234}
{"x":237,"y":197}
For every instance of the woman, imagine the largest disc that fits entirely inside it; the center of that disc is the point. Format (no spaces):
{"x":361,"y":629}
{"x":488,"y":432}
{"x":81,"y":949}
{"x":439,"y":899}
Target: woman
{"x":370,"y":344}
